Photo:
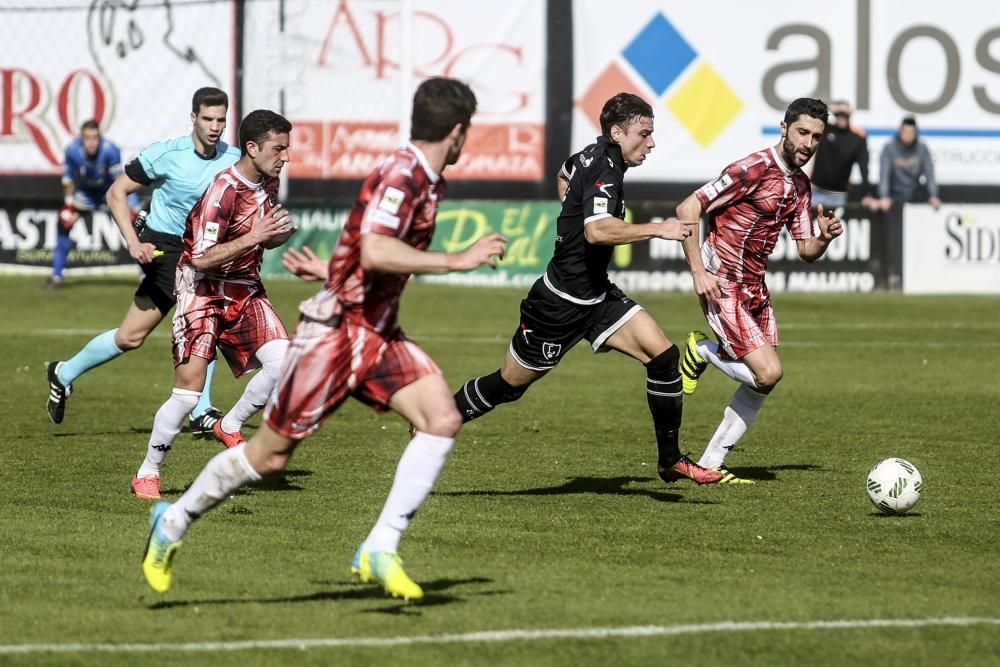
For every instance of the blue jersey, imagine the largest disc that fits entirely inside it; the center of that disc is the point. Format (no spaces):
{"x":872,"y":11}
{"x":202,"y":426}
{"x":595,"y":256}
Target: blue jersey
{"x":91,"y":176}
{"x":178,"y":176}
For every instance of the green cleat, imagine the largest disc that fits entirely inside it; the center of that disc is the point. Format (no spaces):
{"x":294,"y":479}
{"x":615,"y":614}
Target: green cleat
{"x":386,"y":568}
{"x":692,"y":363}
{"x":158,"y":563}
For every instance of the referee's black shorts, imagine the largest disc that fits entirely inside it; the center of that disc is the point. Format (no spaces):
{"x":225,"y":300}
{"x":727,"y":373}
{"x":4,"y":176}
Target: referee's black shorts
{"x":551,"y":325}
{"x":158,"y":276}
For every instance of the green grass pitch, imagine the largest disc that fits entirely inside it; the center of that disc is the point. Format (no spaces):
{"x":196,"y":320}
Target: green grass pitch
{"x":549,"y":515}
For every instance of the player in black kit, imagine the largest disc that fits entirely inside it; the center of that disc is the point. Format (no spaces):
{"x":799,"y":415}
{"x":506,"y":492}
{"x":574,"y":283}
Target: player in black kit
{"x":574,"y":299}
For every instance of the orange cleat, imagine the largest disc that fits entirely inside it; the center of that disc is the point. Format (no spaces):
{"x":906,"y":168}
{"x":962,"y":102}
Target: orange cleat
{"x":230,"y":440}
{"x":686,"y":468}
{"x":146,"y":488}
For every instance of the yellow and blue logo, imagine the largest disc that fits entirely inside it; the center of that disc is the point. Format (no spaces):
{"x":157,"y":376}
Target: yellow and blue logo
{"x":688,"y":86}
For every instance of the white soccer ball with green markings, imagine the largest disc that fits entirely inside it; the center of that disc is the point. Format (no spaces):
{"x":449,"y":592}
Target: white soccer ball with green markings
{"x":894,"y":486}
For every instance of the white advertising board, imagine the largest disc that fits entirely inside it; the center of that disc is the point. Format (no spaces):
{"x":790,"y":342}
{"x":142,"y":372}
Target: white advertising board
{"x":132,"y":66}
{"x":334,"y":68}
{"x":720,"y":74}
{"x":953,"y":250}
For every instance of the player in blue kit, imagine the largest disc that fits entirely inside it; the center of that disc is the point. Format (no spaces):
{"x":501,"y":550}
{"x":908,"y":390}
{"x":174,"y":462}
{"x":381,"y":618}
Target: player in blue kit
{"x":91,"y":164}
{"x":178,"y":171}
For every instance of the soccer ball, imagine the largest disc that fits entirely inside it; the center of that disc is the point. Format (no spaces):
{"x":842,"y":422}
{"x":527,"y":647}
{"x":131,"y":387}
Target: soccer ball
{"x":894,"y":486}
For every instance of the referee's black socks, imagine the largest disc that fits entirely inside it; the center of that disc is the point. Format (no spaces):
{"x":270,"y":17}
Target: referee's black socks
{"x":480,"y":395}
{"x":663,"y":393}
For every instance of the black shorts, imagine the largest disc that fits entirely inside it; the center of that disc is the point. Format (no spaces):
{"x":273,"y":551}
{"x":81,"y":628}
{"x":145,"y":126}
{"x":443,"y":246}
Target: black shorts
{"x":551,"y":325}
{"x":158,"y":276}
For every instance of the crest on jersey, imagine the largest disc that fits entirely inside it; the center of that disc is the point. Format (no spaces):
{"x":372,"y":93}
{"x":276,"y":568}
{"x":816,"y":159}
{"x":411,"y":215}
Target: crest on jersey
{"x":551,"y":350}
{"x":211,"y":231}
{"x":392,"y":199}
{"x":585,"y":161}
{"x":600,"y":205}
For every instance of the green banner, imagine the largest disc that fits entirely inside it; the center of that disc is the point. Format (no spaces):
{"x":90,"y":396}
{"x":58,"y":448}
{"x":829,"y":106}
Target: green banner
{"x":530,"y":228}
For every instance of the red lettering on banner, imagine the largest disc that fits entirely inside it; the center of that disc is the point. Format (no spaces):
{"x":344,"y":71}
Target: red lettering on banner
{"x":354,"y":149}
{"x":66,"y":96}
{"x":28,"y":120}
{"x":343,"y":10}
{"x":521,"y":97}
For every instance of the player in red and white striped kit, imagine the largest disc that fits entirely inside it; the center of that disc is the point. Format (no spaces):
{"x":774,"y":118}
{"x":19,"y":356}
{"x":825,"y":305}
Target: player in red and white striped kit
{"x":220,"y":298}
{"x":746,"y":207}
{"x":348,"y":343}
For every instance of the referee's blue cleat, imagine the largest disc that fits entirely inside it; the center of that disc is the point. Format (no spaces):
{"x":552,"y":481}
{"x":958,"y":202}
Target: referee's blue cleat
{"x":692,"y":363}
{"x":386,"y":568}
{"x":158,"y":563}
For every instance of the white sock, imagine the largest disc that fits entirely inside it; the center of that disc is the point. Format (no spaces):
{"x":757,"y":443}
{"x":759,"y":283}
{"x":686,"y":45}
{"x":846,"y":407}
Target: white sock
{"x":418,"y":469}
{"x":254,"y":397}
{"x":739,"y":415}
{"x":166,"y":426}
{"x":737,"y":370}
{"x":226,"y":472}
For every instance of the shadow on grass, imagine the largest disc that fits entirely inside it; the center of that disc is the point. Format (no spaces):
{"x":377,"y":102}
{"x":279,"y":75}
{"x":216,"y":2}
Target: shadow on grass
{"x":435,"y":594}
{"x":768,"y":473}
{"x":280,"y":482}
{"x":614,"y":486}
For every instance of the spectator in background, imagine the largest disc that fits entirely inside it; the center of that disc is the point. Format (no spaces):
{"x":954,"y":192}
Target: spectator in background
{"x":904,"y":161}
{"x":844,"y":145}
{"x":91,"y":165}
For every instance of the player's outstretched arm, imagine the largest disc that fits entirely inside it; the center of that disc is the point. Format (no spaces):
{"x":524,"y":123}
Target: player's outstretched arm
{"x":117,"y":200}
{"x":305,"y":264}
{"x":615,"y":231}
{"x":830,"y":227}
{"x":706,"y":285}
{"x":390,"y":255}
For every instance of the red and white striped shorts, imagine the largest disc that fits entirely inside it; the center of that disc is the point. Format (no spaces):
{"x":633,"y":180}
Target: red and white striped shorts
{"x":236,"y":318}
{"x":325,"y":364}
{"x":743,"y":320}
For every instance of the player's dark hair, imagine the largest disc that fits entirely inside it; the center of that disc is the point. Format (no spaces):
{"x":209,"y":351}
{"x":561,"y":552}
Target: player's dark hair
{"x":258,"y":125}
{"x":439,"y":105}
{"x":90,"y":125}
{"x":208,"y":97}
{"x":806,"y":106}
{"x":621,"y":110}
{"x":910,"y":120}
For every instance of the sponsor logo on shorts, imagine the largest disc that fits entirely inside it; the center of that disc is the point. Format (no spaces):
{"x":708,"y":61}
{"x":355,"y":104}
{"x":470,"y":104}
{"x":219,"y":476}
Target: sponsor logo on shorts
{"x":391,"y":200}
{"x":551,"y":350}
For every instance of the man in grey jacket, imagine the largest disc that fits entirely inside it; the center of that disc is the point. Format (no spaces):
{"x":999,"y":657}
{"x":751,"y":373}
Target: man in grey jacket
{"x":904,"y":161}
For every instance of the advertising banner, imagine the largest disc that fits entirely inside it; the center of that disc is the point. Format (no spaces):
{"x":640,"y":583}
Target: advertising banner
{"x":719,"y":76}
{"x":131,"y":66}
{"x":28,"y":237}
{"x":953,"y":250}
{"x":334,"y":69}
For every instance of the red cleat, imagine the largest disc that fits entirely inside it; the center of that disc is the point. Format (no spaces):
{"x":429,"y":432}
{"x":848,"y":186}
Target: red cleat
{"x":686,"y":468}
{"x":146,"y":488}
{"x":230,"y":440}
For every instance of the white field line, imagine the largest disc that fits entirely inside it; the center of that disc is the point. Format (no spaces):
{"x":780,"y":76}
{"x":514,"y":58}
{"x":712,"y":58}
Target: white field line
{"x":502,"y":636}
{"x":503,"y":340}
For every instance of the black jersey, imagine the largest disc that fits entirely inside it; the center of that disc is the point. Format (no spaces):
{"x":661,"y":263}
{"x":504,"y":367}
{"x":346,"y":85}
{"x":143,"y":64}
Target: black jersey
{"x":578,"y":271}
